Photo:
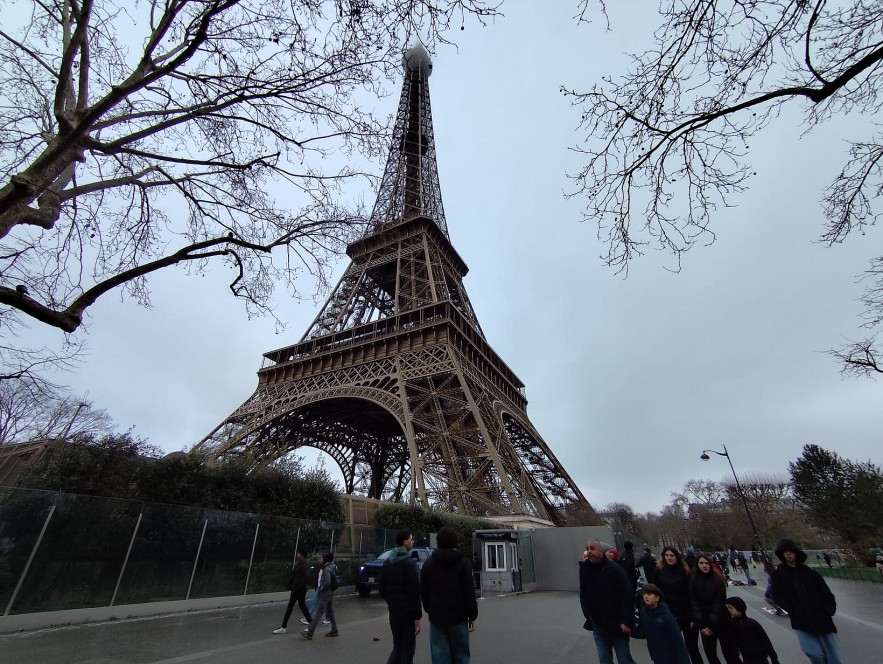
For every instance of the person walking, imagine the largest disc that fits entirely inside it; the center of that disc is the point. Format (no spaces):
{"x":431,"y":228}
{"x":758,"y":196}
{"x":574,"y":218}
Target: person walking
{"x":665,"y":642}
{"x":671,"y":577}
{"x":627,"y":560}
{"x":448,"y":596}
{"x":607,"y":601}
{"x":749,"y":637}
{"x":803,"y":593}
{"x":326,"y":585}
{"x":708,"y":610}
{"x":647,"y":563}
{"x":297,"y":583}
{"x":400,"y":588}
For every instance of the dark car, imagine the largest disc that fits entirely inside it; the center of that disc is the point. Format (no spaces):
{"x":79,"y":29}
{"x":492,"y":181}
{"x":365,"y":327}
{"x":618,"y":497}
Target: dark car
{"x":369,"y":573}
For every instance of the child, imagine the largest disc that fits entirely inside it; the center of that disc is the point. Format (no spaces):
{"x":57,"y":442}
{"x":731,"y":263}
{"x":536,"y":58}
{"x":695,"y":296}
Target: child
{"x":753,"y":642}
{"x":657,"y":624}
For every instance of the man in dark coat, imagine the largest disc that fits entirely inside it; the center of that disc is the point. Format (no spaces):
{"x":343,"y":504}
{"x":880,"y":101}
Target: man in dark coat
{"x":627,"y":560}
{"x":647,"y":561}
{"x":448,"y":596}
{"x":803,"y":593}
{"x":400,"y":587}
{"x":298,"y":585}
{"x":607,"y":601}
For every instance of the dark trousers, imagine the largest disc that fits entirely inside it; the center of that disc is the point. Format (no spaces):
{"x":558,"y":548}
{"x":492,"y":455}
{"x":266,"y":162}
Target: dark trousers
{"x":691,"y":639}
{"x":301,"y":598}
{"x":404,"y":640}
{"x":729,"y":647}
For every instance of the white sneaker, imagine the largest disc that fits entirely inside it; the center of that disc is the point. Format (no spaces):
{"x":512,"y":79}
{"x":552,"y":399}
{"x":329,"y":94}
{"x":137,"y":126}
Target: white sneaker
{"x":303,"y":621}
{"x":326,"y":621}
{"x":281,"y":630}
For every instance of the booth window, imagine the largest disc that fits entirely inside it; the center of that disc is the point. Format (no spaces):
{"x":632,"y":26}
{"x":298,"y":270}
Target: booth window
{"x":495,"y":556}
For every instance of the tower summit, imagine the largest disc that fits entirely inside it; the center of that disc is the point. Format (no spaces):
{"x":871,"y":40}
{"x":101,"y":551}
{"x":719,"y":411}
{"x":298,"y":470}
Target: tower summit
{"x":394,"y":379}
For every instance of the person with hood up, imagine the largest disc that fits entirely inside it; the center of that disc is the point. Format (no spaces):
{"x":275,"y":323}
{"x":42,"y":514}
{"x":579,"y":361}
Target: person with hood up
{"x":448,"y":596}
{"x":607,"y":602}
{"x":803,"y":593}
{"x":400,"y":587}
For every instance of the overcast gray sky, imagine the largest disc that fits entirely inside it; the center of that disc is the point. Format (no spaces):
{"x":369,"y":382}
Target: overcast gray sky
{"x":628,"y":380}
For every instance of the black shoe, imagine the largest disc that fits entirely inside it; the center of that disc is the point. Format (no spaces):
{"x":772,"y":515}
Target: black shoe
{"x":333,"y":633}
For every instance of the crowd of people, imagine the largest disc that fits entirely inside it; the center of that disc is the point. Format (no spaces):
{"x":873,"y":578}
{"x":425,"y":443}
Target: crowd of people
{"x":676,"y":603}
{"x":681,"y":600}
{"x":444,"y":590}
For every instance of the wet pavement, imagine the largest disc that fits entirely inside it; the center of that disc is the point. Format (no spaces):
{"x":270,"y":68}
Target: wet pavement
{"x":541,"y":628}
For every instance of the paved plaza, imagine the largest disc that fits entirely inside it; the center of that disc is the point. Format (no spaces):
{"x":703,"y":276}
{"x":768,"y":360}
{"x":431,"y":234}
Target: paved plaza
{"x":540,"y":628}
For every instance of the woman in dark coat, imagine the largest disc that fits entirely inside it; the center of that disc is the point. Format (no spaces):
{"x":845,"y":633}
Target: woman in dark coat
{"x":671,"y":576}
{"x":708,"y":610}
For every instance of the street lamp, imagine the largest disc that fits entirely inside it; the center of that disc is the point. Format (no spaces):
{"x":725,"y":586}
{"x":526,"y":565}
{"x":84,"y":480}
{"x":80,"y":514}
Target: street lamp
{"x":704,"y":456}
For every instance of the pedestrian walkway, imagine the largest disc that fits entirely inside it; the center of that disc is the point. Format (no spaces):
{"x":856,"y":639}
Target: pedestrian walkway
{"x":537,"y":628}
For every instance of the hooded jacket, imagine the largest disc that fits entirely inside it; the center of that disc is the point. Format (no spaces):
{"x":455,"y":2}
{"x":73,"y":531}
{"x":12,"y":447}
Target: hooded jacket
{"x":400,"y":585}
{"x":446,"y":588}
{"x":665,"y":642}
{"x":803,"y":593}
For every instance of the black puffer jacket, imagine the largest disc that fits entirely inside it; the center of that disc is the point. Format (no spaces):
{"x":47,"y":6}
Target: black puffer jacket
{"x":446,"y":588}
{"x":672,"y":581}
{"x":708,"y":600}
{"x":400,"y":586}
{"x":803,"y":593}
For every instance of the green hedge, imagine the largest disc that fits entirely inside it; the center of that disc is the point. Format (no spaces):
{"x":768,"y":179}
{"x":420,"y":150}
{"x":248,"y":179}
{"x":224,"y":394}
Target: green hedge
{"x":398,"y":516}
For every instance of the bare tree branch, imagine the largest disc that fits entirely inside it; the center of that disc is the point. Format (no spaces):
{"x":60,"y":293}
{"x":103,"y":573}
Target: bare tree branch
{"x":229,"y":128}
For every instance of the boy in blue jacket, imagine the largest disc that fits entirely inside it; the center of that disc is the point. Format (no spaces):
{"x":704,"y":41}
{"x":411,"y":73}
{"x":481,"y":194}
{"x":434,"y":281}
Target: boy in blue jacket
{"x":657,"y":624}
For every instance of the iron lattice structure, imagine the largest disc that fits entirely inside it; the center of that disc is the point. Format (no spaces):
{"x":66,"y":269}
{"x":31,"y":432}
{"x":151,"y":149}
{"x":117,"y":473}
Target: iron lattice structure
{"x":394,"y":378}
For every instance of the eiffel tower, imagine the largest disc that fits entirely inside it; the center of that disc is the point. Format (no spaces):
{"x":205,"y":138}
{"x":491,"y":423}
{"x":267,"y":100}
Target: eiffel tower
{"x":394,"y":379}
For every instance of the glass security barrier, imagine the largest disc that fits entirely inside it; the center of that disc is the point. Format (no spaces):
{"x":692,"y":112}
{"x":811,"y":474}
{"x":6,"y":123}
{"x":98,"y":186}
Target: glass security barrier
{"x":64,"y":551}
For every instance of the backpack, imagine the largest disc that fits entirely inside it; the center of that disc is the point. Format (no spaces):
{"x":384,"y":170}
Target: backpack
{"x":335,"y":578}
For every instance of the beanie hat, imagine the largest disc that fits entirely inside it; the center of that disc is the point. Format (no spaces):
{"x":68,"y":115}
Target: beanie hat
{"x":737,"y":603}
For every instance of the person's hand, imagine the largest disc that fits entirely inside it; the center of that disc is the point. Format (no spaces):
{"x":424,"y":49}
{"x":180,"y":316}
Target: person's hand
{"x":417,"y":626}
{"x":706,"y":631}
{"x":625,"y":629}
{"x":471,"y":625}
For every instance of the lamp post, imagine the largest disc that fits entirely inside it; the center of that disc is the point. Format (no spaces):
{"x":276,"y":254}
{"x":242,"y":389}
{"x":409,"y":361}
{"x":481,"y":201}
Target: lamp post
{"x":704,"y":456}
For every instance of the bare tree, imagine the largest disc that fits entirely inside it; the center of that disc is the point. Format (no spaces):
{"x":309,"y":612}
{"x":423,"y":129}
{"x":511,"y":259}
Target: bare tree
{"x":136,"y":136}
{"x":28,"y":415}
{"x":667,"y":143}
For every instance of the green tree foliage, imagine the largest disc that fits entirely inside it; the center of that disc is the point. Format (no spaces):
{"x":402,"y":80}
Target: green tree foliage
{"x":397,"y":516}
{"x":841,"y":496}
{"x":120,"y":466}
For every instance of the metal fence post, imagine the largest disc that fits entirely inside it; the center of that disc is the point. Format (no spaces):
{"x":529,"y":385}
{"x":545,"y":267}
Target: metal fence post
{"x":196,"y":560}
{"x":21,"y":579}
{"x":126,"y":560}
{"x":251,"y":559}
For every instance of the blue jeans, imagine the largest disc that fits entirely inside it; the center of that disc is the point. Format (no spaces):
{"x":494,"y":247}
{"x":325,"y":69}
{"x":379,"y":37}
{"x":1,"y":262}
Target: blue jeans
{"x":820,"y":648}
{"x":449,"y":644}
{"x":608,"y":643}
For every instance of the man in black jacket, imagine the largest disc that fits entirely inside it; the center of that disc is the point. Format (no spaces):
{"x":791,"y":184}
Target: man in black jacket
{"x":298,"y":584}
{"x":803,"y":593}
{"x":608,"y":603}
{"x":400,"y":587}
{"x":449,"y":600}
